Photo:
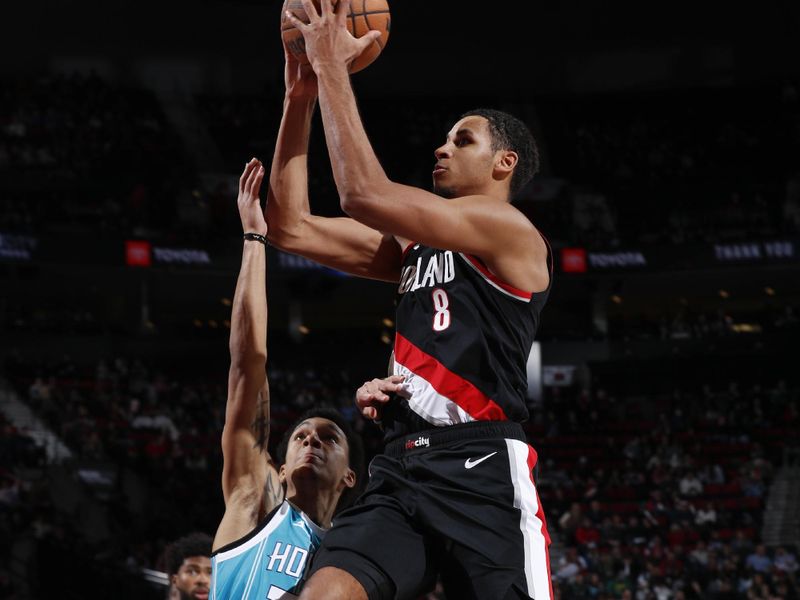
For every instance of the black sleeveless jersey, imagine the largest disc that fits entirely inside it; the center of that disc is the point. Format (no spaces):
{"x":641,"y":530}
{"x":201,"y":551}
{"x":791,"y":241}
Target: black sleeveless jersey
{"x":462,"y":342}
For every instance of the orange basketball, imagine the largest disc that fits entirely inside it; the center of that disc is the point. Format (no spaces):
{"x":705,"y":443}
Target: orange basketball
{"x":364,"y":16}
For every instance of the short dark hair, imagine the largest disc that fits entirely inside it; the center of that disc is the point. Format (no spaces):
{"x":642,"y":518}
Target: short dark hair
{"x":354,"y":445}
{"x":510,"y":133}
{"x":194,"y":544}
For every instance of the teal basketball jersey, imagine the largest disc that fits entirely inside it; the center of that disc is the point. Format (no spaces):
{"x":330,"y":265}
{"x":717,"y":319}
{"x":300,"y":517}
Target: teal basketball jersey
{"x":269,"y":563}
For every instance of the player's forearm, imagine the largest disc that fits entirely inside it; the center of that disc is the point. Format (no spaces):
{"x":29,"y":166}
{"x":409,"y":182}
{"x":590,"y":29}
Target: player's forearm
{"x":248,"y":340}
{"x":287,"y":199}
{"x":357,"y":171}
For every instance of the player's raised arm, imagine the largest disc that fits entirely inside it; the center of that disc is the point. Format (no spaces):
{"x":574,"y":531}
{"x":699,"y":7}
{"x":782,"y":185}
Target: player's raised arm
{"x":473,"y":175}
{"x":250,"y":484}
{"x":341,"y":243}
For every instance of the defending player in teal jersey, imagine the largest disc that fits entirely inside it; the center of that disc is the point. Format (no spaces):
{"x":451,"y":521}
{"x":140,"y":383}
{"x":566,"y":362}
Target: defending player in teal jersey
{"x":267,"y":535}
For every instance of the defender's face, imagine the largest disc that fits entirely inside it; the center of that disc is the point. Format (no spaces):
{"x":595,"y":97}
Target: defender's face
{"x":318,"y":450}
{"x":465,"y":161}
{"x":193,"y":578}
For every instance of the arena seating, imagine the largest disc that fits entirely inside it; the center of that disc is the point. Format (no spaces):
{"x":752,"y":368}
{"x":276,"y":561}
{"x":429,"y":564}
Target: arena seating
{"x":634,"y":502}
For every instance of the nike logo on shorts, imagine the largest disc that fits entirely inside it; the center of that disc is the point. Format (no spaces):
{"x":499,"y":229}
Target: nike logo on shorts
{"x":469,"y":463}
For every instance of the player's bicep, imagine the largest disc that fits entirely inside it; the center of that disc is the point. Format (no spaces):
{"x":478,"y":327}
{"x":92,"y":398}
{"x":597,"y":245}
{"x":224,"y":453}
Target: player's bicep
{"x":244,"y":465}
{"x":245,"y":437}
{"x":470,"y":224}
{"x":352,"y":247}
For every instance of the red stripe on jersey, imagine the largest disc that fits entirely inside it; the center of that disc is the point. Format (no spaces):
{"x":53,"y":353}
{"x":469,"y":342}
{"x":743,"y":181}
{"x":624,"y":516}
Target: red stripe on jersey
{"x":478,"y":264}
{"x":406,"y":249}
{"x":532,"y":458}
{"x":477,"y":404}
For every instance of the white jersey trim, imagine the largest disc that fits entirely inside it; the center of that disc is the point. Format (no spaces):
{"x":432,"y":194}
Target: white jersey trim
{"x":279,"y":517}
{"x":283,"y":513}
{"x":429,"y":404}
{"x":255,"y":568}
{"x":527,"y":501}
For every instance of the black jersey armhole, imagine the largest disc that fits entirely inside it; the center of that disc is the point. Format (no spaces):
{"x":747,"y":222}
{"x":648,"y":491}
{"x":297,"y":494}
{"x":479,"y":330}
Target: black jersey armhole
{"x":247,"y":537}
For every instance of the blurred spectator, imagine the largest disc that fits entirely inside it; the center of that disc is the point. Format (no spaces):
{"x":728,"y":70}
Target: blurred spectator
{"x":785,"y":561}
{"x":690,"y":485}
{"x":759,"y":560}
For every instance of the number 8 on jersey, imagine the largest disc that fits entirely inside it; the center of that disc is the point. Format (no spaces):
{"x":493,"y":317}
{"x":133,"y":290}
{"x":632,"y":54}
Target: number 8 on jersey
{"x":441,"y":303}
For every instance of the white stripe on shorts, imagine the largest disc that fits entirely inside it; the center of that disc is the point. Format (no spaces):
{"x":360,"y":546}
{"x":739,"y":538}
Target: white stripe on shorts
{"x":526,"y":500}
{"x":429,"y":404}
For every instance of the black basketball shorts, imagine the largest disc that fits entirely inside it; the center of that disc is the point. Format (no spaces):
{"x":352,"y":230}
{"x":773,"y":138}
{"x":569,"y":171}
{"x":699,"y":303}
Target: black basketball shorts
{"x":459,"y":502}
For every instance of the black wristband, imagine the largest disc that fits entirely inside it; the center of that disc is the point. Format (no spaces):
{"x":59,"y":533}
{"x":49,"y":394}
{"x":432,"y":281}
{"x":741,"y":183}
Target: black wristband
{"x":256,"y":237}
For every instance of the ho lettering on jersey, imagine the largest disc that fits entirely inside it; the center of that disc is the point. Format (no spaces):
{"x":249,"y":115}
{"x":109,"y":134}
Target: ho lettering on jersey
{"x":439,"y":269}
{"x":287,"y":559}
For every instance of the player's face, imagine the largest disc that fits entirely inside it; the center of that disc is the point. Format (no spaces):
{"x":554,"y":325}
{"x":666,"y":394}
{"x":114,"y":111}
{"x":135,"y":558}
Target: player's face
{"x":317,"y":450}
{"x":193,"y":578}
{"x":464,"y":163}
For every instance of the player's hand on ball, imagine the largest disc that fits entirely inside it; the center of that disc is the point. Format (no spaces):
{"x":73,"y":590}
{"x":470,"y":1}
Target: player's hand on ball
{"x":248,"y":201}
{"x":300,"y":79}
{"x":371,"y":396}
{"x":327,"y":40}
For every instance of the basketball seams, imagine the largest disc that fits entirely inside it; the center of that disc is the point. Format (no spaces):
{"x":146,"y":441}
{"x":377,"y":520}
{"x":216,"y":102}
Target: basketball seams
{"x":365,"y":14}
{"x":293,"y":38}
{"x":286,"y":25}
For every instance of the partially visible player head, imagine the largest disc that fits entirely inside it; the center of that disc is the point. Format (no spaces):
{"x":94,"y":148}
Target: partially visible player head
{"x":485,"y":147}
{"x":321,"y":451}
{"x":189,"y":566}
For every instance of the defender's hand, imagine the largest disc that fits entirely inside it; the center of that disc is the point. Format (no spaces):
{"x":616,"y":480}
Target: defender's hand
{"x":248,"y":201}
{"x":328,"y":42}
{"x":371,"y":396}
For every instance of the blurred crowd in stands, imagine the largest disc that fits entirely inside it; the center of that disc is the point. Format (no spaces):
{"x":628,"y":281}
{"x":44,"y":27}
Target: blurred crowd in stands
{"x":690,"y":165}
{"x":679,"y":166}
{"x":681,"y":324}
{"x":78,"y":153}
{"x":648,"y":496}
{"x":658,"y":495}
{"x":663,"y":495}
{"x":22,"y":502}
{"x":687,"y":324}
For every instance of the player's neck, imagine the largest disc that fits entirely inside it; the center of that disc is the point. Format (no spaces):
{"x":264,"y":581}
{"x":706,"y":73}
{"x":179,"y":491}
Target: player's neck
{"x":496,"y":191}
{"x":318,"y":504}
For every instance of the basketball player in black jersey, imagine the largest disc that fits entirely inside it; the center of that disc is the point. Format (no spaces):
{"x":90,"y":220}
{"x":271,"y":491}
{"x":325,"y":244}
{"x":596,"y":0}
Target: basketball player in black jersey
{"x":453,"y":494}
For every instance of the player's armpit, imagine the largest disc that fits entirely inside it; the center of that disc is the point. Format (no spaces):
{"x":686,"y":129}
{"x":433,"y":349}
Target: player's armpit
{"x":244,"y":508}
{"x":273,"y":490}
{"x":247,"y":475}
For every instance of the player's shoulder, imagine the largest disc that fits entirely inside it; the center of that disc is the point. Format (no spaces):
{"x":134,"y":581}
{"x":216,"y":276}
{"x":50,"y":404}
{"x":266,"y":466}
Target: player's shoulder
{"x":515,"y":223}
{"x":491,"y":205}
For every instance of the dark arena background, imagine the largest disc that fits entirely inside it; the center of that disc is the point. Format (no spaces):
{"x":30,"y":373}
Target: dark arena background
{"x":665,"y":387}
